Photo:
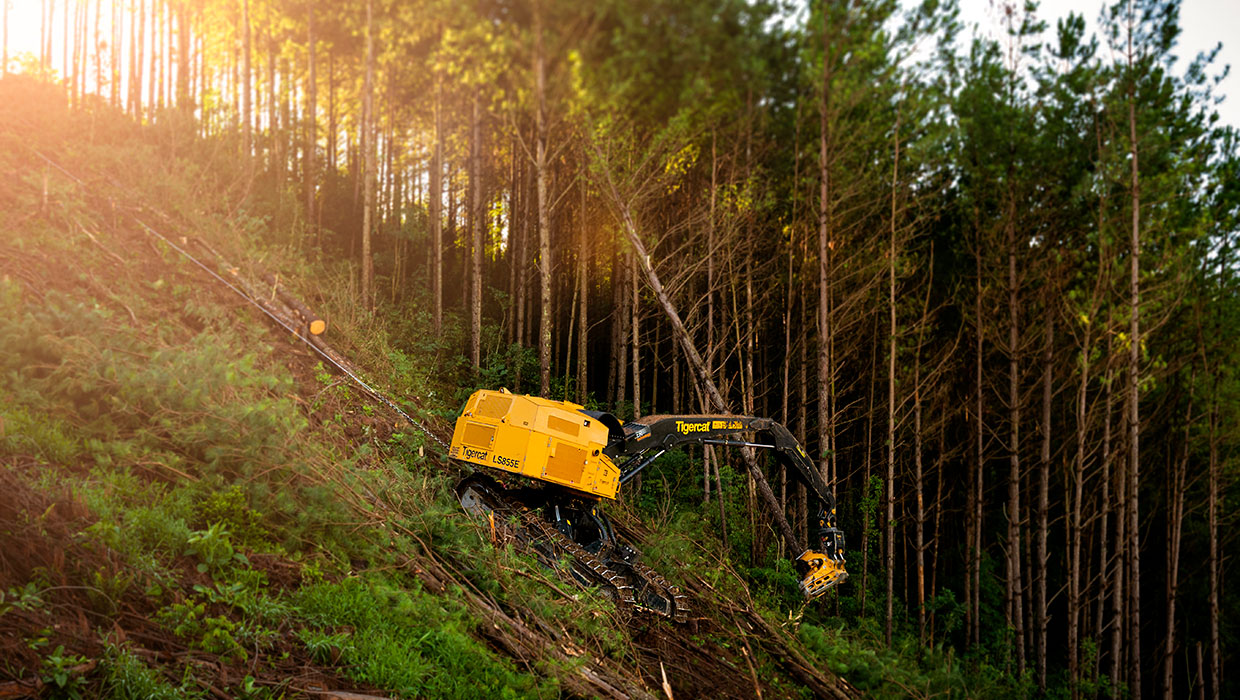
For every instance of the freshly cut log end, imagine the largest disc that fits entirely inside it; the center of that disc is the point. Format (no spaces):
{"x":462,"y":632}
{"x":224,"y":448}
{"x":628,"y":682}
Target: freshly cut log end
{"x":317,"y":326}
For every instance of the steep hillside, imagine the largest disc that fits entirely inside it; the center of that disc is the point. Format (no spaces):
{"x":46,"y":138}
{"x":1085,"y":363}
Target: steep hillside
{"x":193,"y":502}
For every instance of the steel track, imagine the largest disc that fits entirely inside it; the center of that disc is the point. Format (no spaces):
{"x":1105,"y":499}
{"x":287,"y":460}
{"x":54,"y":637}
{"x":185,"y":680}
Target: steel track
{"x":631,"y":584}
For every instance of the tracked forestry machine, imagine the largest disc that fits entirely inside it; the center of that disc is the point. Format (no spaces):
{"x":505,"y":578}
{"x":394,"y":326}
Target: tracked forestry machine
{"x":575,"y":458}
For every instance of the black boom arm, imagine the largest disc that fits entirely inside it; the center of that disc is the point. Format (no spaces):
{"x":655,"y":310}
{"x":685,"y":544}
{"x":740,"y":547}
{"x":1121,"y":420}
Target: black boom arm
{"x":635,"y":445}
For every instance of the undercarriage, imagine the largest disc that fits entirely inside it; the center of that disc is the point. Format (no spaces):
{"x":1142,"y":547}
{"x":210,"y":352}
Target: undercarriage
{"x":571,"y":536}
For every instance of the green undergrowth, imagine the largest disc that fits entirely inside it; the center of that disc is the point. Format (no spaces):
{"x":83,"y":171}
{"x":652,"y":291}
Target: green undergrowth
{"x":193,"y":454}
{"x":178,"y":426}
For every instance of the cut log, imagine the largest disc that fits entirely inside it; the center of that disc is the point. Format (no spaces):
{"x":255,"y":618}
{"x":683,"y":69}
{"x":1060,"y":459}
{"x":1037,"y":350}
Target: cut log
{"x":314,"y":323}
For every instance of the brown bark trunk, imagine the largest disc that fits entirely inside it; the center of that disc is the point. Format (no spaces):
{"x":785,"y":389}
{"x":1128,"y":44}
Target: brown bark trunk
{"x":332,"y":136}
{"x":824,"y":244}
{"x":1074,"y":491}
{"x":1176,"y":478}
{"x":99,"y":53}
{"x":476,"y":220}
{"x":247,"y":122}
{"x":274,"y":124}
{"x":1044,"y":477}
{"x":152,"y":97}
{"x":312,"y":117}
{"x":635,"y":330}
{"x":1133,"y":397}
{"x":865,"y":484}
{"x":368,"y":148}
{"x":919,"y":521}
{"x":544,"y":215}
{"x":1212,"y":501}
{"x":891,"y":395}
{"x":623,"y":318}
{"x":583,"y":332}
{"x":523,"y":256}
{"x":1015,"y":605}
{"x":139,"y":60}
{"x":131,"y":102}
{"x":1118,"y":576}
{"x":436,"y":212}
{"x":184,"y":99}
{"x":979,"y":500}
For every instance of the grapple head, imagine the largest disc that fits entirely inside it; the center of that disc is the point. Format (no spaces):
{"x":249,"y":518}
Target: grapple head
{"x":821,"y":570}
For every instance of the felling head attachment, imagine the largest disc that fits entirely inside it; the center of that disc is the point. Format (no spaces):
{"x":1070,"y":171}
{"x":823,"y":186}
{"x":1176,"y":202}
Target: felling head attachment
{"x":822,"y":575}
{"x":823,"y":570}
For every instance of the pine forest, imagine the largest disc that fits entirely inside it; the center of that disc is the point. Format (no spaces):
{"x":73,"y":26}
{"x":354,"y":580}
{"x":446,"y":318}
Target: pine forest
{"x":987,"y":277}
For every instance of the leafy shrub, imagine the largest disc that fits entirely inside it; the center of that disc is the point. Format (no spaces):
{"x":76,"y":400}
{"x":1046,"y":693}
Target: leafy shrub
{"x":230,"y":507}
{"x":60,"y":676}
{"x":214,"y":549}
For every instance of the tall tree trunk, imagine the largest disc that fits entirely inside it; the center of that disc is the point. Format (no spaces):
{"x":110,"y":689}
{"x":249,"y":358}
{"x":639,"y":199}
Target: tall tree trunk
{"x":1015,"y":605}
{"x":708,"y":453}
{"x":979,"y":423}
{"x":523,"y":247}
{"x":635,"y":329}
{"x":919,"y":521}
{"x":1118,"y":577}
{"x":583,"y":334}
{"x":824,"y":245}
{"x":710,"y":258}
{"x":312,"y":116}
{"x":273,"y":123}
{"x":247,"y":104}
{"x":115,"y":52}
{"x":1074,"y":492}
{"x":138,"y":60}
{"x":511,"y":331}
{"x":99,"y":50}
{"x":803,"y":389}
{"x":476,"y":217}
{"x":167,"y":82}
{"x":869,"y":462}
{"x":42,"y":34}
{"x":1176,"y":477}
{"x":368,"y":148}
{"x":72,"y":73}
{"x":131,"y":102}
{"x":544,"y":214}
{"x":152,"y":98}
{"x":184,"y":94}
{"x":624,"y":317}
{"x":332,"y":136}
{"x":1103,"y":292}
{"x":1044,"y":477}
{"x":1212,"y":502}
{"x":789,"y":304}
{"x":436,"y":210}
{"x":889,"y":490}
{"x":938,"y":520}
{"x":757,"y":539}
{"x":1133,"y":394}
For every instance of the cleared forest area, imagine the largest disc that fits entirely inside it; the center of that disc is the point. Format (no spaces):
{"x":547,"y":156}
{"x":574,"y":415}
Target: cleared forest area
{"x":990,"y":285}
